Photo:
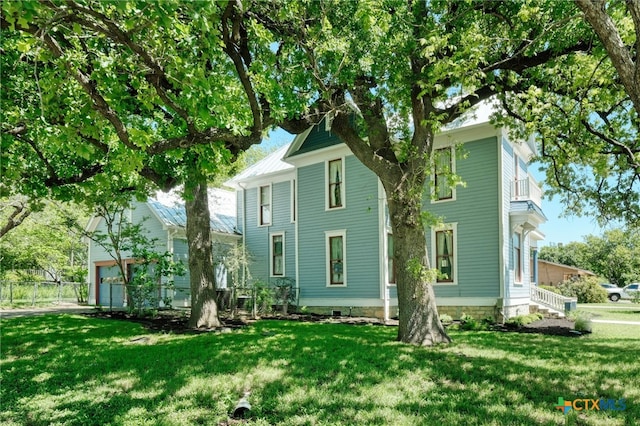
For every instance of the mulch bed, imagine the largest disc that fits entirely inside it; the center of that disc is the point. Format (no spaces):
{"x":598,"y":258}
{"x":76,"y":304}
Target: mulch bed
{"x":177,"y":322}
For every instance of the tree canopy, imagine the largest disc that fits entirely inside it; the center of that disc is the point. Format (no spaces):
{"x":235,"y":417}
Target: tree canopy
{"x":584,"y":109}
{"x":102,"y":95}
{"x":614,"y":256}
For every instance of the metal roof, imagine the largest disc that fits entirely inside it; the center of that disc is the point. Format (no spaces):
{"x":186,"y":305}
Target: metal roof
{"x":272,"y":163}
{"x":170,"y":210}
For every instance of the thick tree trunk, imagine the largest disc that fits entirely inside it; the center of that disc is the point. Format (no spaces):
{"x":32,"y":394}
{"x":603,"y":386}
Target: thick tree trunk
{"x":204,"y":311}
{"x":419,"y":322}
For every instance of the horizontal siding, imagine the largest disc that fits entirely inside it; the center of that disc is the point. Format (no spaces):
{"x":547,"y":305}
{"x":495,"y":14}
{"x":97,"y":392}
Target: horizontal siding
{"x":181,"y":253}
{"x":257,"y":238}
{"x":476,"y":211}
{"x":360,"y":220}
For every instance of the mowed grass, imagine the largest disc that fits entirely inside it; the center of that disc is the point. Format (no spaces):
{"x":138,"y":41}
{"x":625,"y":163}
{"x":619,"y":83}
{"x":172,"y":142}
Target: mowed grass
{"x":612,"y":311}
{"x":73,"y":370}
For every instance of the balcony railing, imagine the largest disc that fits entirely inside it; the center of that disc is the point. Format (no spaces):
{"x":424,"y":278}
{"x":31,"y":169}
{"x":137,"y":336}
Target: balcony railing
{"x":526,"y":190}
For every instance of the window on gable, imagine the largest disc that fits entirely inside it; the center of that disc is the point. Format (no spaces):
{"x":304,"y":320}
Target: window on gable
{"x":443,"y":160}
{"x":517,"y":256}
{"x":444,"y":256}
{"x":335,"y":183}
{"x":336,"y":262}
{"x":277,"y":255}
{"x":265,"y":205}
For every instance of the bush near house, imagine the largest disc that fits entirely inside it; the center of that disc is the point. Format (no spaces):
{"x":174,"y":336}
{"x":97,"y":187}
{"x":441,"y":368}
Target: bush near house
{"x":550,"y":288}
{"x":586,"y":289}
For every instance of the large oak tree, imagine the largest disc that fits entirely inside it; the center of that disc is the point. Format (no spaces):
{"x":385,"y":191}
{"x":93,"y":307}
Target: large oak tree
{"x":405,"y":69}
{"x":108,"y":96}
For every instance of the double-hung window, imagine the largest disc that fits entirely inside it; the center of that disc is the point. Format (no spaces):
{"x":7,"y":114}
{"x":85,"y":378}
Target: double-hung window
{"x":277,"y":255}
{"x":336,"y":258}
{"x":517,"y":257}
{"x":445,"y":253}
{"x":391,"y":264}
{"x":443,"y":168}
{"x":335,"y":184}
{"x":264,"y":208}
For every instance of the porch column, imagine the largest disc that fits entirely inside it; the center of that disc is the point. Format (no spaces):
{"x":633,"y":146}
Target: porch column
{"x":535,"y":266}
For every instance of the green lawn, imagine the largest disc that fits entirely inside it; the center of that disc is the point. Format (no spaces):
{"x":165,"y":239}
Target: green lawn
{"x":75,"y":370}
{"x":612,"y":311}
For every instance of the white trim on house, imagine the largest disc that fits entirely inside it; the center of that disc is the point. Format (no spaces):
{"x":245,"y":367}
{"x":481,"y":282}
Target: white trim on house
{"x":293,"y":201}
{"x":319,"y":155}
{"x":467,"y":301}
{"x":382,"y":254}
{"x":342,"y":302}
{"x":453,"y":226}
{"x":296,"y":240}
{"x":259,"y":206}
{"x":271,"y":253}
{"x":327,"y":236}
{"x":502,"y":212}
{"x":255,"y":182}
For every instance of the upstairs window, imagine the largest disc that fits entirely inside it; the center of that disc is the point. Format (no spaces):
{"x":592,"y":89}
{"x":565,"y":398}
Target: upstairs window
{"x":335,"y":187}
{"x":265,"y":205}
{"x":443,"y":168}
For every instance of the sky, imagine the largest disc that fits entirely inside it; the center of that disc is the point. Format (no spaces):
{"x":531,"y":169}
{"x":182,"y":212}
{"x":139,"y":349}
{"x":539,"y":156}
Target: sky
{"x":557,"y":229}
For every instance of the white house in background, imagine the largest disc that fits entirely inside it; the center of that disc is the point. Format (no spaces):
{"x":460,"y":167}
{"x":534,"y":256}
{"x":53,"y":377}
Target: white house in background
{"x":164,"y":219}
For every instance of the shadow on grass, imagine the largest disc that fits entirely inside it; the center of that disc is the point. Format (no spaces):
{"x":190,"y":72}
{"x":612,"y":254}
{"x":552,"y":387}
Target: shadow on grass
{"x":75,"y":370}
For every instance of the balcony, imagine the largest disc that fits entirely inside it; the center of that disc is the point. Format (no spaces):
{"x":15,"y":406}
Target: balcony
{"x":526,"y":190}
{"x":526,"y":205}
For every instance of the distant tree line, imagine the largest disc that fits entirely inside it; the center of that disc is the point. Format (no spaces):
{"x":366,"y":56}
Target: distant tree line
{"x":615,"y":255}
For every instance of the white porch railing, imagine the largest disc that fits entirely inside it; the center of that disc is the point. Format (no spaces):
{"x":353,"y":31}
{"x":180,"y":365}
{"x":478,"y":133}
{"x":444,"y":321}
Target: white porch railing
{"x":526,"y":189}
{"x":550,"y":299}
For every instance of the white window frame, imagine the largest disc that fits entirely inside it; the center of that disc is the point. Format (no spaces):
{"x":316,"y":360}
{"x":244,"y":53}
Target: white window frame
{"x":391,"y":261}
{"x":446,"y":227}
{"x":327,"y":238}
{"x":434,"y":199}
{"x":259,"y":203}
{"x":518,"y":260}
{"x":272,"y":253}
{"x":327,"y":186}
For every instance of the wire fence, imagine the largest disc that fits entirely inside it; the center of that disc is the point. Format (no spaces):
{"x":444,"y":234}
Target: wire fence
{"x":34,"y":293}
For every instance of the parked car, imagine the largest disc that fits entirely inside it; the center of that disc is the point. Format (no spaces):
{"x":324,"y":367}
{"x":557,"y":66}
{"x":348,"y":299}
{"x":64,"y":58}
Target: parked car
{"x":614,"y":293}
{"x":631,"y":291}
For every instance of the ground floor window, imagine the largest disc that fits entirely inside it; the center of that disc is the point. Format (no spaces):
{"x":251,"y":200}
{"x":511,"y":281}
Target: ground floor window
{"x":517,"y":256}
{"x":336,"y":258}
{"x":445,"y":253}
{"x":277,"y":255}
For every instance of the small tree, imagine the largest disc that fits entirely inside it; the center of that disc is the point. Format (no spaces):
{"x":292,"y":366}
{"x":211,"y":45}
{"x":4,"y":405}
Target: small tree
{"x":151,"y":268}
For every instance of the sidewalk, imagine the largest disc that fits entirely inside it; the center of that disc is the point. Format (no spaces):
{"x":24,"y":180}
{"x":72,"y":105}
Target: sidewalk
{"x":616,"y":322}
{"x":63,"y":308}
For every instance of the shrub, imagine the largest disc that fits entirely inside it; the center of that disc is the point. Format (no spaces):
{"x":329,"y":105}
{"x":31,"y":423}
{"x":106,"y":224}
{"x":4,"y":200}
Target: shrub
{"x":446,"y":319}
{"x":582,"y":321}
{"x":587,"y":290}
{"x":521,"y":320}
{"x":550,"y":288}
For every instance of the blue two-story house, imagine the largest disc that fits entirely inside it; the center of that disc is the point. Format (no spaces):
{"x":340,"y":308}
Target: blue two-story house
{"x":312,"y":212}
